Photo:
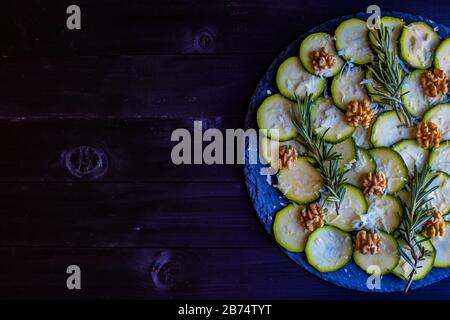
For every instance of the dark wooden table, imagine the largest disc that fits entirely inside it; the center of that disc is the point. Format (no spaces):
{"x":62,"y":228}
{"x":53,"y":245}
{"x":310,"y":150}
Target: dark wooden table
{"x":136,"y":71}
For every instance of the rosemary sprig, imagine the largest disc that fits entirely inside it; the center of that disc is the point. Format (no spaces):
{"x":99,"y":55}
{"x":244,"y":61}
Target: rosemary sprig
{"x":415,"y":214}
{"x":388,"y":73}
{"x":322,"y":152}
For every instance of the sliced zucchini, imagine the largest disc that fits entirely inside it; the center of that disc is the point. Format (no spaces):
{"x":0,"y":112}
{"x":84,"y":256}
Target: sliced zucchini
{"x":314,"y":42}
{"x":441,"y":196}
{"x":442,"y":56}
{"x":418,"y":43}
{"x":442,"y":247}
{"x":348,"y":86}
{"x":387,"y":130}
{"x":413,"y":97}
{"x":394,"y":26}
{"x":352,"y":41}
{"x":404,"y":195}
{"x":301,"y":182}
{"x":270,"y":150}
{"x":326,"y":116}
{"x":403,"y":269}
{"x":361,"y":136}
{"x":360,"y":167}
{"x":328,"y":249}
{"x":440,"y":115}
{"x":274,"y":115}
{"x":412,"y":153}
{"x":293,"y":79}
{"x":386,"y":259}
{"x":347,"y":149}
{"x":371,"y":86}
{"x":289,"y":232}
{"x":351,"y":208}
{"x":440,"y":158}
{"x":392,"y":165}
{"x":384,"y":213}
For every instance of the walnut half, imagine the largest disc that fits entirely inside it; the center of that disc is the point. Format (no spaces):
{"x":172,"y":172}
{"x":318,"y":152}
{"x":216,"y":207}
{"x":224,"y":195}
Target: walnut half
{"x":311,"y":217}
{"x":322,"y":59}
{"x":374,"y":183}
{"x":288,"y":155}
{"x":428,"y":135}
{"x":434,"y":82}
{"x":359,"y":112}
{"x":435,"y":227}
{"x":368,"y":242}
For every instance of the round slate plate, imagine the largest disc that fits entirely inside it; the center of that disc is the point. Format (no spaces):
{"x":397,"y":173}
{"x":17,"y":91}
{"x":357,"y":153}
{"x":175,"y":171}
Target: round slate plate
{"x":267,"y":200}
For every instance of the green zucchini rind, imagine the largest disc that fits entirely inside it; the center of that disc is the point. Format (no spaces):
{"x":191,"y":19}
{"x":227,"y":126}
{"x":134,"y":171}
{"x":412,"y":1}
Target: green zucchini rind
{"x":348,"y":86}
{"x":440,"y":115}
{"x":301,"y":182}
{"x":412,"y":153}
{"x":352,"y":41}
{"x":439,"y":159}
{"x":387,"y":130}
{"x":293,"y":79}
{"x":403,"y":269}
{"x":442,"y":56}
{"x":274,"y":115}
{"x":360,"y":167}
{"x":413,"y":97}
{"x":440,"y":198}
{"x":418,"y":43}
{"x":386,"y":259}
{"x":351,"y":208}
{"x":326,"y":116}
{"x":328,"y":249}
{"x":314,"y":42}
{"x":289,"y":232}
{"x":392,"y":165}
{"x":442,"y":245}
{"x":384,"y":213}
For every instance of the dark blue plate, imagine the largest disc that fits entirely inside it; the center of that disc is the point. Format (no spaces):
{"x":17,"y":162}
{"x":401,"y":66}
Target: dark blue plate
{"x":267,"y":200}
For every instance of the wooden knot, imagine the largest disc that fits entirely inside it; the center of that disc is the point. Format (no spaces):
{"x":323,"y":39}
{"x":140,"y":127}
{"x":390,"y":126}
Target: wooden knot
{"x":85,"y":162}
{"x":204,"y":41}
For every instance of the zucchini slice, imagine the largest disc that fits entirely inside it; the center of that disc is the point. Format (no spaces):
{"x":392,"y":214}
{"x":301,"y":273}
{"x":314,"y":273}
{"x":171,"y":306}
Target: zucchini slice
{"x":418,"y":43}
{"x":440,"y":115}
{"x":274,"y":115}
{"x":394,"y":26}
{"x":348,"y":86}
{"x":386,"y":259}
{"x":439,"y":159}
{"x":301,"y":182}
{"x":347,"y":149}
{"x":270,"y":150}
{"x":314,"y":42}
{"x":361,"y":136}
{"x":413,"y":97}
{"x":360,"y":167}
{"x":387,"y":130}
{"x":442,"y":56}
{"x":328,"y":249}
{"x":442,"y":247}
{"x":403,"y":269}
{"x":392,"y":165}
{"x":326,"y":116}
{"x":353,"y":205}
{"x":371,"y":86}
{"x":412,"y":153}
{"x":441,"y":196}
{"x":289,"y":232}
{"x":384,"y":213}
{"x":293,"y":79}
{"x":352,"y":41}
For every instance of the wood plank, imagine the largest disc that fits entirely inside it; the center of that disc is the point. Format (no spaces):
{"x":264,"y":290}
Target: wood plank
{"x":172,"y":273}
{"x":138,"y":149}
{"x":185,"y":27}
{"x":129,"y":87}
{"x":129,"y":214}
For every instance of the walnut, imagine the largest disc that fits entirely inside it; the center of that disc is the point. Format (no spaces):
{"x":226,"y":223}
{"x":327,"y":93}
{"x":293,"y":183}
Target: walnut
{"x":435,"y":227}
{"x":359,"y":112}
{"x":288,"y":155}
{"x":311,"y":217}
{"x":322,"y":59}
{"x":368,"y":242}
{"x":428,"y":135}
{"x":374,"y":183}
{"x":434,"y":82}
